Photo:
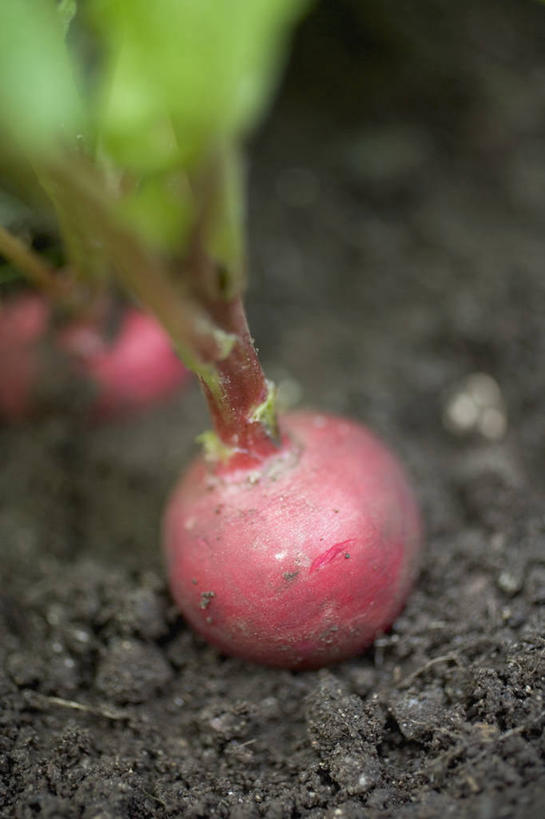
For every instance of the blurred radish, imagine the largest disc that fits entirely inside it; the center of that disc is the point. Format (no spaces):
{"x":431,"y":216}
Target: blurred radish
{"x":132,"y":371}
{"x":125,"y":368}
{"x":121,"y":373}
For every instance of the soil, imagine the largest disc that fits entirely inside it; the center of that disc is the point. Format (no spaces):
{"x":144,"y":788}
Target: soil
{"x":397,"y":223}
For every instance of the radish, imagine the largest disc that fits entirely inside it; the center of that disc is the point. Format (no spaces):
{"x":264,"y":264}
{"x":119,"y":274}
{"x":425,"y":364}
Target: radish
{"x":302,"y":559}
{"x":132,"y":371}
{"x":128,"y":368}
{"x":291,"y":545}
{"x":126,"y":373}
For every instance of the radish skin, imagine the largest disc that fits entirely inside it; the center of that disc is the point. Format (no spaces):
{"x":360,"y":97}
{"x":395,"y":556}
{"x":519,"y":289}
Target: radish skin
{"x":299,"y":562}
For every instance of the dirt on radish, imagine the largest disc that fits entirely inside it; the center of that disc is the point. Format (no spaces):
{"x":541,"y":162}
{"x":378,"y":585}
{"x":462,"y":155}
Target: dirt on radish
{"x":419,"y":224}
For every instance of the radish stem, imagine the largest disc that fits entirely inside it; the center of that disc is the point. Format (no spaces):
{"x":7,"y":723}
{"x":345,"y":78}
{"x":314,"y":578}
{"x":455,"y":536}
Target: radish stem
{"x":242,"y":409}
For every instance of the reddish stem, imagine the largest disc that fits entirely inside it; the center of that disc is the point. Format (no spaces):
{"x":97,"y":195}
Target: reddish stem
{"x":242,"y":388}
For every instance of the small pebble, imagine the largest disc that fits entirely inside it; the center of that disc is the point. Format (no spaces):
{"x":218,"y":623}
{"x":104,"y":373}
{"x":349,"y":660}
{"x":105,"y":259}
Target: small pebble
{"x":476,"y":405}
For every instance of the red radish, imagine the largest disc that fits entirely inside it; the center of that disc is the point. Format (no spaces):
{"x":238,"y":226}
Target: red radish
{"x":131,"y":371}
{"x":302,"y":559}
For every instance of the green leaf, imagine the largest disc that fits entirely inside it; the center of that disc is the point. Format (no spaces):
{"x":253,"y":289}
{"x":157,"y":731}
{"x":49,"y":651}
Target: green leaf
{"x":67,"y":11}
{"x":38,"y":100}
{"x":184,"y":75}
{"x":160,"y":209}
{"x":176,"y":86}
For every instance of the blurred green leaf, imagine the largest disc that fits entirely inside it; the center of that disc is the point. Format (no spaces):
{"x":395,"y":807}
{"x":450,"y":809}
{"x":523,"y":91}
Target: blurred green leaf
{"x":67,"y":10}
{"x":12,"y":211}
{"x":160,"y":209}
{"x":186,"y":74}
{"x":173,"y":86}
{"x":38,"y":100}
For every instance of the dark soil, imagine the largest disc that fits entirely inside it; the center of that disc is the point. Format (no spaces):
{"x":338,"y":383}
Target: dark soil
{"x":398,"y":215}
